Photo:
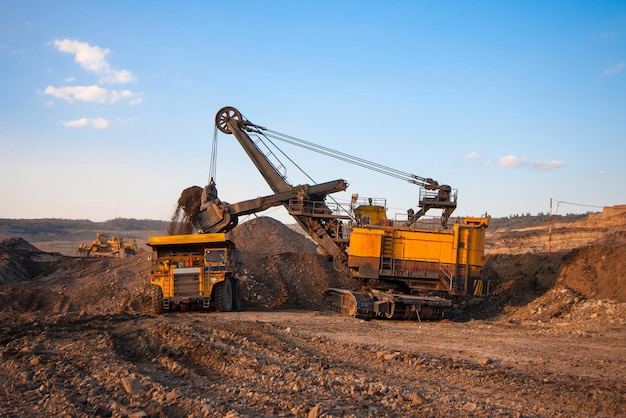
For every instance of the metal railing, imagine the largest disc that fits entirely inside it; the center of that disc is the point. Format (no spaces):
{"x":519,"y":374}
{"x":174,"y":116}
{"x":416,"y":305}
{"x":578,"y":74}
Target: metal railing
{"x":401,"y":220}
{"x":370,"y":201}
{"x":438,"y":196}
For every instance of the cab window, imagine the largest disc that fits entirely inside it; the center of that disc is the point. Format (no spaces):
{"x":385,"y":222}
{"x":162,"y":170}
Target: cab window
{"x":215,"y":256}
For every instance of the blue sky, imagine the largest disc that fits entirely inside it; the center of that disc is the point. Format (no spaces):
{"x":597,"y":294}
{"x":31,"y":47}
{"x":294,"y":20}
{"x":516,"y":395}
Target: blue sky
{"x":107,"y":107}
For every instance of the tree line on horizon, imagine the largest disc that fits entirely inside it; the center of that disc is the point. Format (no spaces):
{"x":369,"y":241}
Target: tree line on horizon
{"x":59,"y":226}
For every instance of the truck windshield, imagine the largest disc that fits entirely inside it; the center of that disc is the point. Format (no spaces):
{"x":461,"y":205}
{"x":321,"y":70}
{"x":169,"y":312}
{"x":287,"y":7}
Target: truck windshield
{"x":215,"y":256}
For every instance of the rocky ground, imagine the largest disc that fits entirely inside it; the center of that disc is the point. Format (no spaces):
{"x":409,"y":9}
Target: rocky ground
{"x":77,"y":339}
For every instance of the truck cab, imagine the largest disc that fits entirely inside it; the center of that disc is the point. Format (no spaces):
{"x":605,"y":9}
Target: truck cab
{"x":194,"y":271}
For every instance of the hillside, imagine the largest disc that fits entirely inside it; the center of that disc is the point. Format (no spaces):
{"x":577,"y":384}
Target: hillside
{"x":77,"y":340}
{"x":607,"y":227}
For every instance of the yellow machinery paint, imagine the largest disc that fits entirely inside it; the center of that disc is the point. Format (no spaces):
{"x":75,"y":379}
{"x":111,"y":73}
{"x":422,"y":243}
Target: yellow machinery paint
{"x":194,"y":270}
{"x":400,"y":264}
{"x":373,"y":213}
{"x":447,"y":260}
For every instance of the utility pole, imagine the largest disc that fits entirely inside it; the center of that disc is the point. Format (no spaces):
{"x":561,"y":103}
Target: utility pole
{"x":550,"y":230}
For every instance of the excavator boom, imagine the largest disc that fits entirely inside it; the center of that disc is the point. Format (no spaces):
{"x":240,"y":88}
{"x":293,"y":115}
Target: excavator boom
{"x":305,"y":203}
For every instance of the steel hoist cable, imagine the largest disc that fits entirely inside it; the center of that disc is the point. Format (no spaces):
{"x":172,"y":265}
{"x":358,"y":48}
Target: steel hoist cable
{"x":361,"y":162}
{"x":259,"y":134}
{"x":427,"y":183}
{"x":213,"y":163}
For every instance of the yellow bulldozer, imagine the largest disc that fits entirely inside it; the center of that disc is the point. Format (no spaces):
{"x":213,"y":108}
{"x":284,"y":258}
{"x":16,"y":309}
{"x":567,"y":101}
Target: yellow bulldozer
{"x":103,"y":246}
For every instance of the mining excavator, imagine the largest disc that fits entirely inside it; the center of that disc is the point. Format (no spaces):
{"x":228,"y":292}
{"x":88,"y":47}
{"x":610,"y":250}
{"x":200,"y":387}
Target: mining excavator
{"x":404,"y":268}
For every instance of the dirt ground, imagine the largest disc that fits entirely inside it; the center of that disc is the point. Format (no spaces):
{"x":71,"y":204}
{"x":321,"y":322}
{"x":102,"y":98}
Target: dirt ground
{"x":77,"y":339}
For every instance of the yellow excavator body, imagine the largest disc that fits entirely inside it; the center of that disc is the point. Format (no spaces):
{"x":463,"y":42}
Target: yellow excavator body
{"x":447,"y":260}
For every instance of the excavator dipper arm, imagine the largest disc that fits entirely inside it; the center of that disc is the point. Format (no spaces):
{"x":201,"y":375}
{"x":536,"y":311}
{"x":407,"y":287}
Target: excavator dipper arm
{"x":217,"y":216}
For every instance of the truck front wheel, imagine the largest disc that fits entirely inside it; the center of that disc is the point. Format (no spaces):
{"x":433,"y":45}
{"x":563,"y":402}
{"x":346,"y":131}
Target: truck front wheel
{"x":223,"y":296}
{"x":156,"y":296}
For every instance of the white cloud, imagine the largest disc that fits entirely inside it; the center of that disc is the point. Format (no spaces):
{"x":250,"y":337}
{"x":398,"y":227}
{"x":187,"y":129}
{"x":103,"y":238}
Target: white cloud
{"x":97,"y":123}
{"x":115,"y":95}
{"x":118,"y":77}
{"x":614,"y":69}
{"x":93,"y":59}
{"x":78,"y":123}
{"x":601,"y":172}
{"x":136,"y":101}
{"x":546,"y":165}
{"x":513,"y":161}
{"x":81,"y":93}
{"x":472,"y":155}
{"x":91,"y":94}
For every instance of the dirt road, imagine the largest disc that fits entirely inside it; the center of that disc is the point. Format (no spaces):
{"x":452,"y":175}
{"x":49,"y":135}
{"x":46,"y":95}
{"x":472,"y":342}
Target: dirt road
{"x":307,"y":363}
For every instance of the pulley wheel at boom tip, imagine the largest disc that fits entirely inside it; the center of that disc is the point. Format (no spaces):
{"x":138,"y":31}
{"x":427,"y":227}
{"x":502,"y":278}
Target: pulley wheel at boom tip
{"x":224,"y":115}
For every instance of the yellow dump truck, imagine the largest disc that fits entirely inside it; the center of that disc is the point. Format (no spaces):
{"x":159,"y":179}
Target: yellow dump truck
{"x":194,"y":271}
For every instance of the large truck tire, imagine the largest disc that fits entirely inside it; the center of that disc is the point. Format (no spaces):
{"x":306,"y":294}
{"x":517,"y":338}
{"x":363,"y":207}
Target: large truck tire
{"x":236,"y":285}
{"x":156,"y":298}
{"x":223,"y":296}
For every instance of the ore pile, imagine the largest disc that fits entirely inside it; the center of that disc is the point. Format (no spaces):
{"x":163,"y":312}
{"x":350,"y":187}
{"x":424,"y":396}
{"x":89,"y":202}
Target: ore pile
{"x":527,"y":285}
{"x":20,"y":261}
{"x":283,"y":267}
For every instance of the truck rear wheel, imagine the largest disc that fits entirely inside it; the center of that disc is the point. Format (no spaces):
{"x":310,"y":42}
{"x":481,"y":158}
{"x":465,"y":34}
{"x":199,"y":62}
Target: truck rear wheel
{"x":236,"y":285}
{"x":223,"y":296}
